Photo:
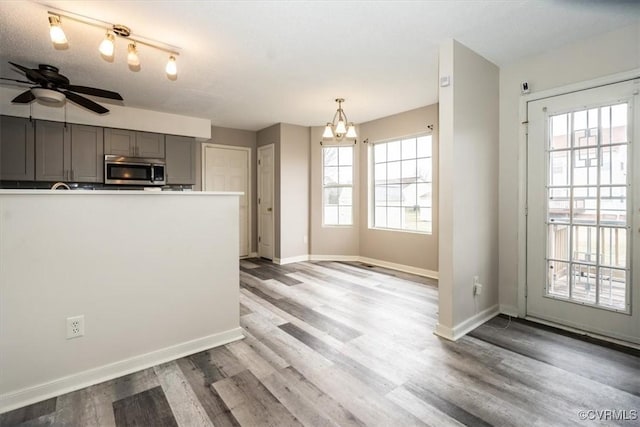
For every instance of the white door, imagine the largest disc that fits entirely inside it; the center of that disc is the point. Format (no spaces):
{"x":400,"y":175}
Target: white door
{"x":266,"y":218}
{"x":227,"y":168}
{"x":583,"y":201}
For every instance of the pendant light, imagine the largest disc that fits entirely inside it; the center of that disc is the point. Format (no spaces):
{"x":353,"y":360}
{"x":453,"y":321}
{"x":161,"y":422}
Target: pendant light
{"x":343,"y":128}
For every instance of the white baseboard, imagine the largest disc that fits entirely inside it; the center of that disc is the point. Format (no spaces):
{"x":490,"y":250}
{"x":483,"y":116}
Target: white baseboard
{"x":345,"y":258}
{"x":290,"y":260}
{"x":37,"y":393}
{"x":509,"y":310}
{"x":400,"y":267}
{"x":463,"y":328}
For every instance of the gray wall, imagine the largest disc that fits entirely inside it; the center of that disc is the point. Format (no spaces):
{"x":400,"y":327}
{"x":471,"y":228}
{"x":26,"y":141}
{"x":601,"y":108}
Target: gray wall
{"x":294,"y":191}
{"x":599,"y":56}
{"x":331,"y":240}
{"x":236,"y":138}
{"x":412,"y":249}
{"x":469,"y":117}
{"x":271,"y":135}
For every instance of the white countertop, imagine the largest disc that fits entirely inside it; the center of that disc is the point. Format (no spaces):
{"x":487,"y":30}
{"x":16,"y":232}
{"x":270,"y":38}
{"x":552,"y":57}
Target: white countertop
{"x":7,"y":192}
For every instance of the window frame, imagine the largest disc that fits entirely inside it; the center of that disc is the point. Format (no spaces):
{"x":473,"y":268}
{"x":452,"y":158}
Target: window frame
{"x":351,"y":186}
{"x":372,"y":181}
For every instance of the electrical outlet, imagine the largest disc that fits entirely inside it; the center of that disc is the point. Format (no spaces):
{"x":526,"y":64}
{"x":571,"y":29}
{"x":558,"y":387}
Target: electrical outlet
{"x":75,"y":327}
{"x":477,"y":287}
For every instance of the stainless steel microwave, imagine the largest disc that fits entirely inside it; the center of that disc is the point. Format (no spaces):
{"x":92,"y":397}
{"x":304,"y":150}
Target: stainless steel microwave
{"x":134,"y":170}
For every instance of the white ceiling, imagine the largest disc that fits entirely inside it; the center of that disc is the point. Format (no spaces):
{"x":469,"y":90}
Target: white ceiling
{"x":250,"y":64}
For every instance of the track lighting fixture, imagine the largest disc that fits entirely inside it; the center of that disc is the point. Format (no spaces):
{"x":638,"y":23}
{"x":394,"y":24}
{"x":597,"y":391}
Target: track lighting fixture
{"x":343,"y":128}
{"x":172,"y":68}
{"x":55,"y":30}
{"x":107,"y":46}
{"x":132,"y":56}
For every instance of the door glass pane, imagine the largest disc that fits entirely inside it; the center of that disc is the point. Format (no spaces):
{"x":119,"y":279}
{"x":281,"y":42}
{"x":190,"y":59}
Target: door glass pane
{"x":583,"y":282}
{"x":613,"y":246}
{"x":559,"y":204}
{"x":585,"y":205}
{"x":559,"y":168}
{"x":585,"y":166}
{"x":559,"y":132}
{"x":558,"y":242}
{"x":613,"y":165}
{"x":558,"y":279}
{"x":619,"y":130}
{"x":409,"y":148}
{"x":612,"y":288}
{"x":587,"y":210}
{"x":613,"y":206}
{"x":584,"y":244}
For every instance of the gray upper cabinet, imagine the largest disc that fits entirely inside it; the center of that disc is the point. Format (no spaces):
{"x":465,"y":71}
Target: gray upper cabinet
{"x":133,"y":144}
{"x":69,"y":153}
{"x":53,"y":152}
{"x":119,"y":142}
{"x":87,"y":153}
{"x":16,"y":149}
{"x":181,"y":159}
{"x":150,"y":145}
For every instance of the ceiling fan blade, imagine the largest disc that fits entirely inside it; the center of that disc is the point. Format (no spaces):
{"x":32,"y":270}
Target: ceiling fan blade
{"x":24,"y":98}
{"x":14,"y":80}
{"x":102,"y":93}
{"x":85,"y":102}
{"x":20,"y":67}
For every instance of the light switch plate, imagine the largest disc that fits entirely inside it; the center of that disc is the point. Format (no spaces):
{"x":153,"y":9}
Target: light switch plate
{"x":445,"y":81}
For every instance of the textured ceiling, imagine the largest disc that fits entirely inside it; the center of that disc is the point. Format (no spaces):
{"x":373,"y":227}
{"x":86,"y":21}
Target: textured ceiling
{"x":250,"y":64}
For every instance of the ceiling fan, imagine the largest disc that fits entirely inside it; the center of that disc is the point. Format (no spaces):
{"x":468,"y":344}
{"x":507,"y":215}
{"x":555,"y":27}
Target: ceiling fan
{"x":53,"y":87}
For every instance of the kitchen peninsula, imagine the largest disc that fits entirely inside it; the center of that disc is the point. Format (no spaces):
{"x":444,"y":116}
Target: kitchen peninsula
{"x":154,"y":276}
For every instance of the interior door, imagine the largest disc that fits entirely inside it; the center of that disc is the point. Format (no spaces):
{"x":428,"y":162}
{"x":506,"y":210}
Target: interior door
{"x":227,"y":169}
{"x":583,"y":200}
{"x":266,"y":217}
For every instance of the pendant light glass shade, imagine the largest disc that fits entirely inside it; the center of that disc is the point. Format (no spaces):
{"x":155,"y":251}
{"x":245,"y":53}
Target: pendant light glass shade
{"x":132,"y":56}
{"x":107,"y":47}
{"x":56,"y":32}
{"x":351,"y":131}
{"x":328,"y":133}
{"x":341,"y":128}
{"x":172,"y":68}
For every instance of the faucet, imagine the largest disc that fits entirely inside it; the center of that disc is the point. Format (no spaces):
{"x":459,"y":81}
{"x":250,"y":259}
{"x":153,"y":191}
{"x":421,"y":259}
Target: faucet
{"x":60,"y":185}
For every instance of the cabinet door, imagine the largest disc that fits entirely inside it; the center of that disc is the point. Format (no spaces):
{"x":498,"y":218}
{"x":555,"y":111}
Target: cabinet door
{"x":119,"y":142}
{"x":87,"y":154}
{"x":16,"y":149}
{"x":149,"y":145}
{"x":181,"y":159}
{"x":53,"y":161}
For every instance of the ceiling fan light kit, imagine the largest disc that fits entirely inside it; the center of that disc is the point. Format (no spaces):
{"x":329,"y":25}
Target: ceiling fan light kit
{"x":343,"y":128}
{"x":107,"y":46}
{"x":53,"y":88}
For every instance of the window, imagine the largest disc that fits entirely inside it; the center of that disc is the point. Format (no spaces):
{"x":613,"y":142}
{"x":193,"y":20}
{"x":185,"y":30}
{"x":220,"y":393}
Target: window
{"x":403,"y":184}
{"x":337,"y":183}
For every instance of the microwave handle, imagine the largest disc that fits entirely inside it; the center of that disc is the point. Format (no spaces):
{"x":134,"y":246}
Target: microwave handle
{"x":152,"y":174}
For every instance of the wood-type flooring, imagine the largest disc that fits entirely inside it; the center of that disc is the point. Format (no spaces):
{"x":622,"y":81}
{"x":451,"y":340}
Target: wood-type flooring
{"x":345,"y":344}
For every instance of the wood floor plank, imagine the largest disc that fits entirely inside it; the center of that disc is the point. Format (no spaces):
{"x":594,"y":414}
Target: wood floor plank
{"x":149,"y":408}
{"x":369,"y":377}
{"x":330,"y":343}
{"x":28,"y":413}
{"x":187,"y":409}
{"x":217,"y":410}
{"x":252,"y":403}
